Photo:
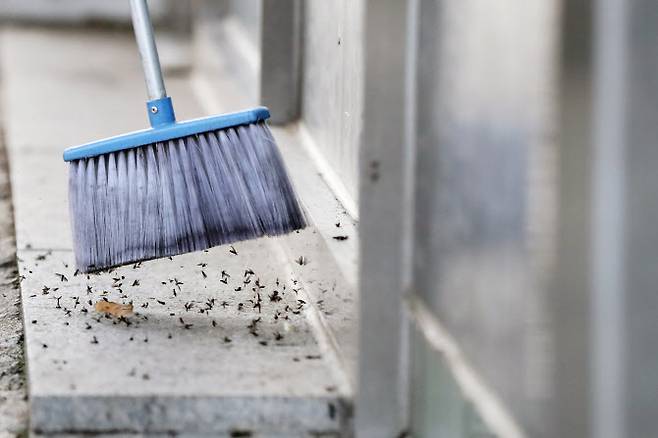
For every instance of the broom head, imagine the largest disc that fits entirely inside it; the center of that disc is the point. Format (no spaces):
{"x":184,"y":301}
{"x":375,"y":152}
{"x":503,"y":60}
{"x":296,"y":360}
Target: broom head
{"x":177,"y":188}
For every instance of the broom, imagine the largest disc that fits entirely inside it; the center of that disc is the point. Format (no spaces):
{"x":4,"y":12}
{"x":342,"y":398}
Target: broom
{"x":178,"y":186}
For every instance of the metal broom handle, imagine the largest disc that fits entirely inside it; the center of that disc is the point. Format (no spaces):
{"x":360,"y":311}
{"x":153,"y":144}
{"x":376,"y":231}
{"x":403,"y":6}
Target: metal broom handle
{"x":147,"y":49}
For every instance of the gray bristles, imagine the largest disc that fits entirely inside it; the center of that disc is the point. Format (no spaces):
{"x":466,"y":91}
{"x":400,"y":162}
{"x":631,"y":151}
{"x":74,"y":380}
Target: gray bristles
{"x":183,"y":195}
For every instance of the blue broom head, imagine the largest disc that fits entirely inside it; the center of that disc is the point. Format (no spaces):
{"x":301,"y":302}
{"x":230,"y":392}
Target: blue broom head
{"x":177,"y":188}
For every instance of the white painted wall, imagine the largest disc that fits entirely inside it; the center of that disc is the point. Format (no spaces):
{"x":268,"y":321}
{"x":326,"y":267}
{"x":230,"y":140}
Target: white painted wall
{"x":332,"y":84}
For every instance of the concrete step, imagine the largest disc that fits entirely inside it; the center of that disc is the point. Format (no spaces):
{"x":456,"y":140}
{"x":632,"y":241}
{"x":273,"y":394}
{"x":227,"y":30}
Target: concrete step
{"x":198,"y":356}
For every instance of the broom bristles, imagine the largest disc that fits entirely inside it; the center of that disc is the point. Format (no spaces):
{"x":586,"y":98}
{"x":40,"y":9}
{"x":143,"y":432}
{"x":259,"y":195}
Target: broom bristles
{"x":183,"y":195}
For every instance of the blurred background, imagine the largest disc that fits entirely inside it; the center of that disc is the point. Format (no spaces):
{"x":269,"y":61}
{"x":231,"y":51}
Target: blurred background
{"x":498,"y":160}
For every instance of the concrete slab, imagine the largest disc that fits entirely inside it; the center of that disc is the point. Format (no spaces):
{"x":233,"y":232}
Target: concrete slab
{"x":191,"y":358}
{"x":199,"y":356}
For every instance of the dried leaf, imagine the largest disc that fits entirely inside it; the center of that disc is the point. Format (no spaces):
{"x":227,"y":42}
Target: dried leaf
{"x":114,"y":309}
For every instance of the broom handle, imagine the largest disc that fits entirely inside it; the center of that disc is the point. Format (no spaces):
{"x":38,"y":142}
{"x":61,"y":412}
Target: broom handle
{"x":147,"y":49}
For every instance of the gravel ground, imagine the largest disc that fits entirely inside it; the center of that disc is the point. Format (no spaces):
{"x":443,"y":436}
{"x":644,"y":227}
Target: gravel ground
{"x":13,"y":391}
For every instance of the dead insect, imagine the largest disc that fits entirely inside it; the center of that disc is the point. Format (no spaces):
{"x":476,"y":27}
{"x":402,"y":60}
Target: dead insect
{"x":214,"y":323}
{"x":240,"y":306}
{"x":45,"y":290}
{"x":278,"y":336}
{"x":87,"y":326}
{"x":233,"y":251}
{"x":135,"y":283}
{"x":225,"y":274}
{"x":58,"y":306}
{"x":301,"y":261}
{"x":145,"y":305}
{"x":77,"y":271}
{"x":223,"y":280}
{"x":249,"y":272}
{"x":263,"y":343}
{"x":238,"y":289}
{"x":224,"y":304}
{"x":227,"y":339}
{"x":257,"y":305}
{"x":188,"y":326}
{"x":204,"y":274}
{"x":337,"y":224}
{"x":88,"y":290}
{"x":340,"y":237}
{"x":94,"y":340}
{"x":62,"y":277}
{"x":275,"y":297}
{"x":203,"y":265}
{"x":188,"y":306}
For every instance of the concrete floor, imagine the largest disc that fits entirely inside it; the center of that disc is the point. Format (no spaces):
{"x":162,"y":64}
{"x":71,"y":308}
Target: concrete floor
{"x":199,"y":356}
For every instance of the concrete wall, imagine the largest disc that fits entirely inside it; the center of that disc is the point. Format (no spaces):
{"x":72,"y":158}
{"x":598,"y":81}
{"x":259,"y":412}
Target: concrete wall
{"x":332,"y":83}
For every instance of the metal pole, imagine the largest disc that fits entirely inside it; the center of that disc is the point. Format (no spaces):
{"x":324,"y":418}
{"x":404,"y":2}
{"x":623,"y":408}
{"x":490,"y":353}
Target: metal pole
{"x":147,"y":49}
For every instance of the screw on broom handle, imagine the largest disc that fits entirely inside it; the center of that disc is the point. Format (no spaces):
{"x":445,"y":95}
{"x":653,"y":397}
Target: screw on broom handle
{"x":147,"y":49}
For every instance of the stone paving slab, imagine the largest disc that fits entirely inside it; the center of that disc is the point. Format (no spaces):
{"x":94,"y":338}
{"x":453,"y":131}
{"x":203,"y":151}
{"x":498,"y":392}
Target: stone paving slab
{"x":195,"y":354}
{"x":199,"y":356}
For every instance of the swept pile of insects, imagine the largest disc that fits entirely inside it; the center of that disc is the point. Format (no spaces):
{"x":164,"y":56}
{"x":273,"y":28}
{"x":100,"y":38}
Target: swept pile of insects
{"x":269,"y":308}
